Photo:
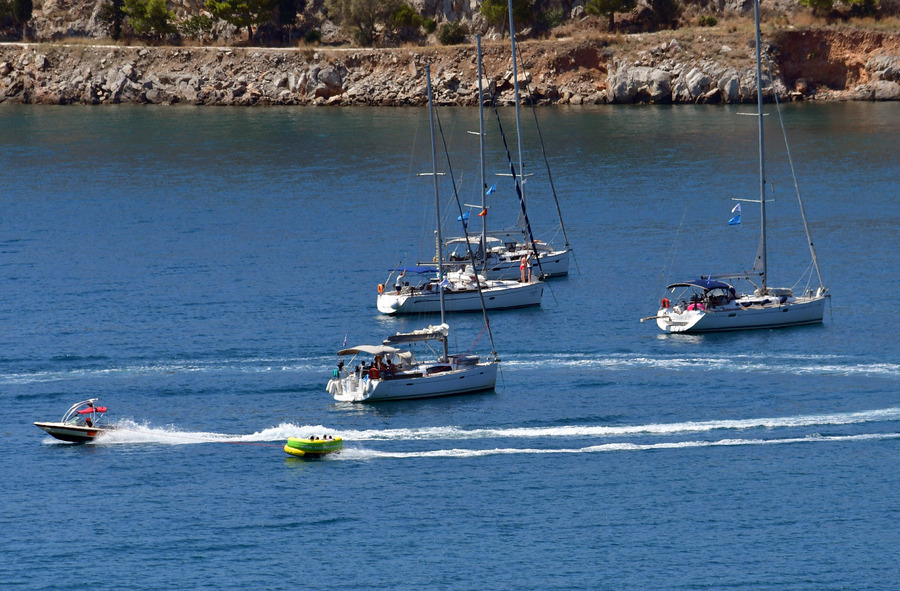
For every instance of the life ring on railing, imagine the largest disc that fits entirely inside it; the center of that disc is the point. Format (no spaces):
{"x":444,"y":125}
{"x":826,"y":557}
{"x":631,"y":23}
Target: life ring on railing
{"x":664,"y":303}
{"x":381,"y":288}
{"x":373,"y":373}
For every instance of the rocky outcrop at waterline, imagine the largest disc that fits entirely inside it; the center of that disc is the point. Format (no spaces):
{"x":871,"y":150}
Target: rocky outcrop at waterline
{"x":649,"y":68}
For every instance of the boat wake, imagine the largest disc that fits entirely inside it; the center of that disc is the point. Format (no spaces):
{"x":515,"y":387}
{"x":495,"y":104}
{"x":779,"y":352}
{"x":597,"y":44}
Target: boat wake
{"x":432,"y":433}
{"x":167,"y":368}
{"x":365,"y":454}
{"x":558,"y":439}
{"x":734,"y":363}
{"x":835,"y":365}
{"x":130,"y":432}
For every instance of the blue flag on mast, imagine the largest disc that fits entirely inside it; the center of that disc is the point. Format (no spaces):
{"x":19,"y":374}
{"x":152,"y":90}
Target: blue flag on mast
{"x":736,"y":219}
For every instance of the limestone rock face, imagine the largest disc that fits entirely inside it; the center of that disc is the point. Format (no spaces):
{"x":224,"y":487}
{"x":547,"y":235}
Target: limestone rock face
{"x":647,"y":69}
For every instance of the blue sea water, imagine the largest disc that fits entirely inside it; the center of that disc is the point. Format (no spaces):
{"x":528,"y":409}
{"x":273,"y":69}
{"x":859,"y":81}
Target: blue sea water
{"x":196,"y":269}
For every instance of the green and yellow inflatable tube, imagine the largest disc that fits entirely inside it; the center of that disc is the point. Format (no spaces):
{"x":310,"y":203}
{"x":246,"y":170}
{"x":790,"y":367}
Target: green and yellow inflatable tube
{"x":315,"y":446}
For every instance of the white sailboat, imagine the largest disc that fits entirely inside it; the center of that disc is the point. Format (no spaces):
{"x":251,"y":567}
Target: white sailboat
{"x":500,"y":252}
{"x":454,"y":285}
{"x":394,"y":372}
{"x":455,"y":291}
{"x":711,"y":304}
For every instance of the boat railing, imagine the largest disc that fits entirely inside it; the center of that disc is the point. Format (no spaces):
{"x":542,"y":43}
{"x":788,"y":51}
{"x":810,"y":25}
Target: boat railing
{"x":72,"y":413}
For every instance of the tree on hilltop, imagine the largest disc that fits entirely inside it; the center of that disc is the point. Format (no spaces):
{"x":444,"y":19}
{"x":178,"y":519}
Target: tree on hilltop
{"x":22,"y":10}
{"x":242,"y":13}
{"x":112,"y":14}
{"x":405,"y":22}
{"x":609,"y":8}
{"x":496,"y":12}
{"x":857,"y":7}
{"x":362,"y":16}
{"x":150,"y":17}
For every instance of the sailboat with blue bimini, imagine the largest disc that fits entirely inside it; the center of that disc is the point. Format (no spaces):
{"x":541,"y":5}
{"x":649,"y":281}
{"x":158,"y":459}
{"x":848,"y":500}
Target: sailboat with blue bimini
{"x":712,"y":304}
{"x":395,"y":372}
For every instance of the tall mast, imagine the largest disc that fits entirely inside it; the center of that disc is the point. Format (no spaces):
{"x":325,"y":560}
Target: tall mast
{"x":437,"y":208}
{"x":512,"y":38}
{"x":481,"y":153}
{"x":761,"y":253}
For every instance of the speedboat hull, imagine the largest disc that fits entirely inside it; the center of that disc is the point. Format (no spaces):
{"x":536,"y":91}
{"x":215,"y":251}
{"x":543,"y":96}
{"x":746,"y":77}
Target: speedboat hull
{"x":794,"y":312}
{"x":73,"y":433}
{"x":464,"y":380}
{"x":509,"y":296}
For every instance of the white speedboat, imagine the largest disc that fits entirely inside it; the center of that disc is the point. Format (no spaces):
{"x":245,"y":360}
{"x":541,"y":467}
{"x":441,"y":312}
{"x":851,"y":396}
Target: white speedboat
{"x":714,"y":305}
{"x":83,"y":422}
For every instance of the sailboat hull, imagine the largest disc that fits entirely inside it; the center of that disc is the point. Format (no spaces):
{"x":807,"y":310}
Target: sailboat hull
{"x":464,"y":380}
{"x":518,"y":295}
{"x":794,"y":312}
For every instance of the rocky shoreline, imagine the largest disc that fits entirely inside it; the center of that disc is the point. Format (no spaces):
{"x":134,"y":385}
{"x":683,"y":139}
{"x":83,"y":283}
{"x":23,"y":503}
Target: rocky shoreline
{"x":646,"y":68}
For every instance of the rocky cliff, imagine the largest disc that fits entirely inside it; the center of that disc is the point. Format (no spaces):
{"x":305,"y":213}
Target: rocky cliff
{"x":680,"y":67}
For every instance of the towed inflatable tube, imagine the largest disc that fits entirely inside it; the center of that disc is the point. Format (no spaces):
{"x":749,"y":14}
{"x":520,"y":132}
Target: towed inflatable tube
{"x":307,"y":445}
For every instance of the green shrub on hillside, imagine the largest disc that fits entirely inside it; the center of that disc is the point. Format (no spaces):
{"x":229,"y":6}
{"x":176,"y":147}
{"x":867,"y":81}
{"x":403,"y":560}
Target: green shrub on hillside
{"x":609,"y":8}
{"x":313,"y":36}
{"x":242,"y":13}
{"x":150,"y":18}
{"x":497,"y":11}
{"x":362,"y":17}
{"x":452,"y":33}
{"x":198,"y":26}
{"x":405,"y":22}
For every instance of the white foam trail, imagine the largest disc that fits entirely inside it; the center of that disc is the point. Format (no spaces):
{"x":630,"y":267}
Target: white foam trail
{"x":796,"y":364}
{"x":131,"y":432}
{"x":431,"y":433}
{"x":251,"y":366}
{"x":366,"y":454}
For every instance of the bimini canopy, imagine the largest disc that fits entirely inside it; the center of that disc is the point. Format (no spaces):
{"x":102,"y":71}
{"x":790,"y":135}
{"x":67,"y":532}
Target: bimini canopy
{"x":370,"y":349}
{"x":432,"y":333}
{"x":416,"y":269}
{"x":473,"y":240}
{"x":704,"y":284}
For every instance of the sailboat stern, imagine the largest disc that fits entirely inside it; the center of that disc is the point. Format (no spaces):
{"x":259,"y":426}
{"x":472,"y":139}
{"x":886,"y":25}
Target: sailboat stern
{"x":679,"y":320}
